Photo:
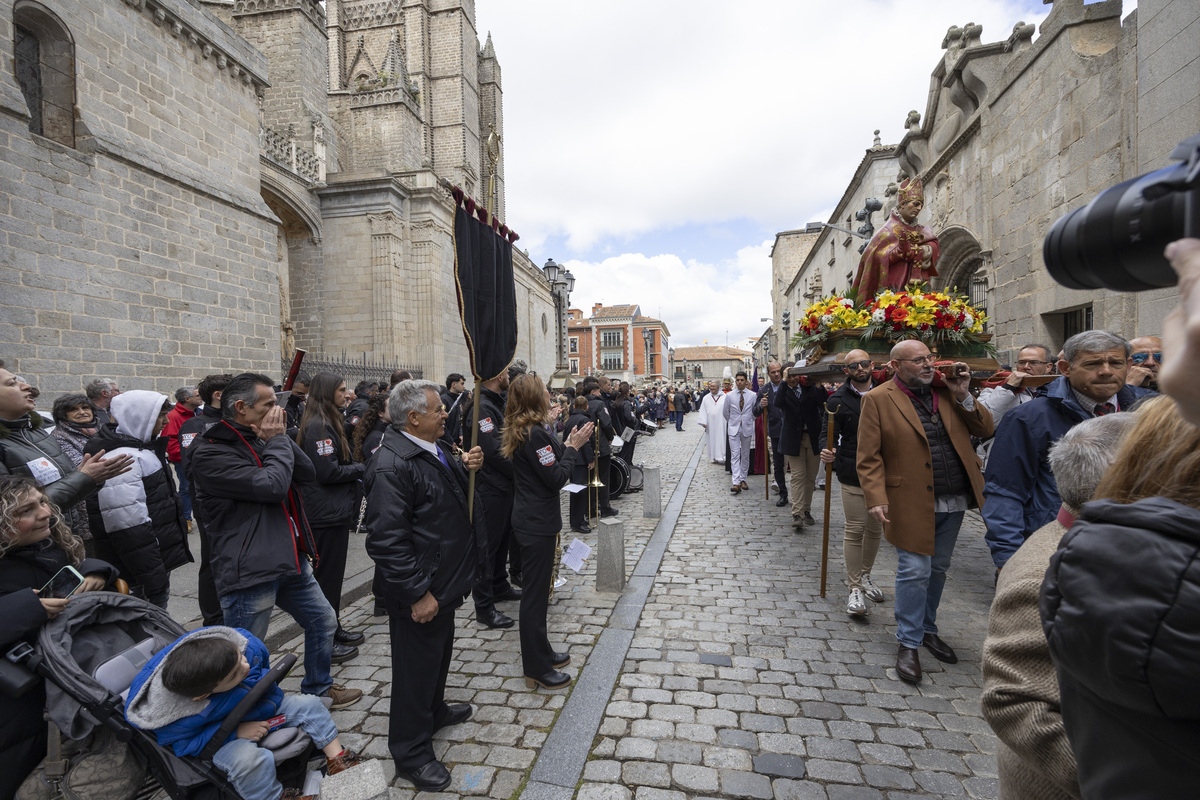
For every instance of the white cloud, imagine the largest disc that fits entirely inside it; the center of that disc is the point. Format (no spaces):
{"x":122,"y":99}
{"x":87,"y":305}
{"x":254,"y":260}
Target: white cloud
{"x":697,"y":300}
{"x":626,"y":119}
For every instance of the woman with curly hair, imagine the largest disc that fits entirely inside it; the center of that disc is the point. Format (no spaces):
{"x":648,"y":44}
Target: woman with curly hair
{"x":331,"y":503}
{"x":34,"y":545}
{"x":368,"y":433}
{"x":541,"y":468}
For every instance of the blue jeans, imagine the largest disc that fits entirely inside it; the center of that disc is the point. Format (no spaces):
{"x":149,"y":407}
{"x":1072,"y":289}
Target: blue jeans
{"x":251,"y":769}
{"x":300,"y":596}
{"x":920,"y":580}
{"x":678,"y":420}
{"x":185,"y":494}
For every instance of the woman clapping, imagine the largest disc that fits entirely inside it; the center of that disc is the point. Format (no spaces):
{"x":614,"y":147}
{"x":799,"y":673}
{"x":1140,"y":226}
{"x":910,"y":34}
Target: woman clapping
{"x":541,"y":467}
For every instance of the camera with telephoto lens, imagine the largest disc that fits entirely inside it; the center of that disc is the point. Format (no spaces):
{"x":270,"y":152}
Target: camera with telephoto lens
{"x":1117,"y":240}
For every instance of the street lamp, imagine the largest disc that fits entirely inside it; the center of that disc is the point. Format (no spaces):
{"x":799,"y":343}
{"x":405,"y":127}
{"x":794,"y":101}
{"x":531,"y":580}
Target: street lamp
{"x":787,"y":339}
{"x":671,"y":363}
{"x":562,"y":282}
{"x":685,"y":373}
{"x":647,"y":338}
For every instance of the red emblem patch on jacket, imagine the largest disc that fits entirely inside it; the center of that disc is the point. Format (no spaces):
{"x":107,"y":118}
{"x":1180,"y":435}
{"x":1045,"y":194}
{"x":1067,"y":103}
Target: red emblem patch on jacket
{"x":546,"y":455}
{"x":486,"y":425}
{"x":325,"y":447}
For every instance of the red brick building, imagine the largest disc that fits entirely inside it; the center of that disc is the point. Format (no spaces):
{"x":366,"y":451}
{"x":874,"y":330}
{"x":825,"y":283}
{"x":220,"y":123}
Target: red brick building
{"x":614,"y":342}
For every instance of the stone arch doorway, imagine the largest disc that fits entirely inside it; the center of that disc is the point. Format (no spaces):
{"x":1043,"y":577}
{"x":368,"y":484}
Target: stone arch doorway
{"x":964,"y":266}
{"x":299,"y":275}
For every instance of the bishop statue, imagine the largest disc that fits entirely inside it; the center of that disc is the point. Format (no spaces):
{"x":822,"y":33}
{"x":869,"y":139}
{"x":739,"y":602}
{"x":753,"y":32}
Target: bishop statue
{"x":902,"y":251}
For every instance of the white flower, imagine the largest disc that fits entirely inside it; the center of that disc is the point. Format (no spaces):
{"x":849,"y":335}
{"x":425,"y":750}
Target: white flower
{"x":968,"y":320}
{"x":847,"y":302}
{"x":879,"y":316}
{"x":827,"y":320}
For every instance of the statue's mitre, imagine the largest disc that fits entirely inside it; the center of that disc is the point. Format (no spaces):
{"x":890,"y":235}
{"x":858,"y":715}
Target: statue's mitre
{"x":911,"y":189}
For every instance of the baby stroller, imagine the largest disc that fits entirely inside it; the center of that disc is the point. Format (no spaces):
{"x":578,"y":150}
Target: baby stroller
{"x":89,"y":656}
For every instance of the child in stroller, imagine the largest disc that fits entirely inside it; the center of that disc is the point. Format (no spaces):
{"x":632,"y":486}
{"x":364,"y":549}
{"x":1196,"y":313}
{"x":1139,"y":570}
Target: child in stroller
{"x":184,"y":694}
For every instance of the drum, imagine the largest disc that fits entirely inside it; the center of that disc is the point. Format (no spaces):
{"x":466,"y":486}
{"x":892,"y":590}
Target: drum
{"x":618,"y":476}
{"x":636,"y":477}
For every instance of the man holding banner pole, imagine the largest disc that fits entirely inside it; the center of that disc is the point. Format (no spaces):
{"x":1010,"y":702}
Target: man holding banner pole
{"x":487,"y":303}
{"x":766,"y":405}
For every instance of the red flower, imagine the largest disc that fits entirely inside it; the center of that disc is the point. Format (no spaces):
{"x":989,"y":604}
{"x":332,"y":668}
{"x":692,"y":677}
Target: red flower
{"x":899,"y":314}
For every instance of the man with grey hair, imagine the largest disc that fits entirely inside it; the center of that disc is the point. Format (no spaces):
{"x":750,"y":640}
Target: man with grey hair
{"x":430,"y":553}
{"x":101,"y":392}
{"x":1020,"y":687}
{"x":1021,"y":495}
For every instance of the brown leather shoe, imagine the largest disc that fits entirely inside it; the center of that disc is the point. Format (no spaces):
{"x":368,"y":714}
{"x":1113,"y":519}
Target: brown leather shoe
{"x":908,"y":664}
{"x":342,"y":762}
{"x":743,"y":485}
{"x":941,"y":651}
{"x":735,"y":489}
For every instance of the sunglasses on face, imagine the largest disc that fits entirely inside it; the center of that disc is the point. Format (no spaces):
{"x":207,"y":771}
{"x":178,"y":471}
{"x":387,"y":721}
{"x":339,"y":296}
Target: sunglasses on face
{"x":867,"y":364}
{"x":1141,"y":358}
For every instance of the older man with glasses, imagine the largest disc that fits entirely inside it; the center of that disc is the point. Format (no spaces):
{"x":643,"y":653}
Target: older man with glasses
{"x":1145,"y":358}
{"x":1021,"y":494}
{"x":919,"y":476}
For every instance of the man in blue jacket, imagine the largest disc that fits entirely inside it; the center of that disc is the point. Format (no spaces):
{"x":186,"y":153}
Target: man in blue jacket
{"x":1020,"y":495}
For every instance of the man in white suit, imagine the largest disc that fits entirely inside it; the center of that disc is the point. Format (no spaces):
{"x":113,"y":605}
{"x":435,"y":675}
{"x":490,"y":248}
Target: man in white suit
{"x":739,"y":423}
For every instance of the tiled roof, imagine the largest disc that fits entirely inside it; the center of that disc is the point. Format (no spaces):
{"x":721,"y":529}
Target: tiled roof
{"x":615,"y":311}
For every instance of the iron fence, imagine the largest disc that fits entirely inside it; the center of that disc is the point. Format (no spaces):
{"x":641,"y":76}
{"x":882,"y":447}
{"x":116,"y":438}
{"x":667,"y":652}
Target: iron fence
{"x":353,"y":367}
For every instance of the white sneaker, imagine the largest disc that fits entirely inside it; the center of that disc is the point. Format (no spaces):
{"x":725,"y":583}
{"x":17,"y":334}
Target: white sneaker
{"x":856,"y":607}
{"x":870,"y":589}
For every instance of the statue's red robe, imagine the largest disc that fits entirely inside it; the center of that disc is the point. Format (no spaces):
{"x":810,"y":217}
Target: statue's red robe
{"x":893,"y":258}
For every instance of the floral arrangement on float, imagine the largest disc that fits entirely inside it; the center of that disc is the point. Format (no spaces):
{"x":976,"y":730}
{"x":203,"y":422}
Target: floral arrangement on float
{"x":944,"y":321}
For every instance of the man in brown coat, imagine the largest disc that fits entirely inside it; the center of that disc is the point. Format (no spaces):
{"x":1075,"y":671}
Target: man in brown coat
{"x":1020,"y":687}
{"x":919,"y":475}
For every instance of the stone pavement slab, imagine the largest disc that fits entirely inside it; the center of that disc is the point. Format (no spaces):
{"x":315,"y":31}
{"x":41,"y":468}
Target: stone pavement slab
{"x":719,"y":672}
{"x":746,"y":683}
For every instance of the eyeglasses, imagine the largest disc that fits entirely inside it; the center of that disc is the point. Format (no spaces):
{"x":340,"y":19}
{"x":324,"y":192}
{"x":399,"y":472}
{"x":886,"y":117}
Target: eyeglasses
{"x":1141,"y":358}
{"x":867,"y":364}
{"x":929,"y":359}
{"x":1026,"y":362}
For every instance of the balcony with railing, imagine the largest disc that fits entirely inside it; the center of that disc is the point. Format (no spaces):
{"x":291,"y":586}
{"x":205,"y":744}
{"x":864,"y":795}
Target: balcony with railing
{"x":285,"y":152}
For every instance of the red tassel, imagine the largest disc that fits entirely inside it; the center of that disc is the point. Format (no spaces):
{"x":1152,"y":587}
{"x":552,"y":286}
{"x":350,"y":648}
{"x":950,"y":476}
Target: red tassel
{"x":512,"y":237}
{"x":470,"y":206}
{"x":482,"y":213}
{"x":495,"y":225}
{"x":504,"y":231}
{"x":458,"y":195}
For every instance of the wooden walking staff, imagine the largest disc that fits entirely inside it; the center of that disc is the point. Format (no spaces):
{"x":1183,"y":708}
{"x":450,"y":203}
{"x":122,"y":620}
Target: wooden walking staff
{"x":828,"y":494}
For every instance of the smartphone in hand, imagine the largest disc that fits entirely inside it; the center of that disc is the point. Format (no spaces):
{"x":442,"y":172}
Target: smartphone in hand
{"x":64,"y":584}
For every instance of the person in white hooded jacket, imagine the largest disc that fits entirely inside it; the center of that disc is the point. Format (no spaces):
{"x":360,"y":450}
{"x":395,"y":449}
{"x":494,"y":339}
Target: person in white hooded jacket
{"x":136,"y":518}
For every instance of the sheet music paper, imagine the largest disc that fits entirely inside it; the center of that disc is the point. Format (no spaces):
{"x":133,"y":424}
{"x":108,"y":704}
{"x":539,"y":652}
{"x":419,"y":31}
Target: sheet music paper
{"x":574,"y":556}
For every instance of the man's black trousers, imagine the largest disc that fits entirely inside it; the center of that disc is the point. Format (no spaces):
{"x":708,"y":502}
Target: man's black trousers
{"x":420,"y":662}
{"x":779,"y":468}
{"x":497,"y":518}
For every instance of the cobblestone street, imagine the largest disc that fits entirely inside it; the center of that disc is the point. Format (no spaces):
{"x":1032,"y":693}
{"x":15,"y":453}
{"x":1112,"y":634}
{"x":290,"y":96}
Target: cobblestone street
{"x":720,"y":672}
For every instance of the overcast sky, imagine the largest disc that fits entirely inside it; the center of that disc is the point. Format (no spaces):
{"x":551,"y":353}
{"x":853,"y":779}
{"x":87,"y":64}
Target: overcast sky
{"x":656,"y":147}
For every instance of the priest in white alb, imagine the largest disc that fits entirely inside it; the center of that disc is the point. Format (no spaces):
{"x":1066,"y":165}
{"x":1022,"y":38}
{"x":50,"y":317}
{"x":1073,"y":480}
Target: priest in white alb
{"x":712,"y":419}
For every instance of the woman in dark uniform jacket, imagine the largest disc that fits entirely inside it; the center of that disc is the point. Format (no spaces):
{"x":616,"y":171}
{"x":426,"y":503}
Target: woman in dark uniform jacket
{"x":331,"y":503}
{"x":541,"y":467}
